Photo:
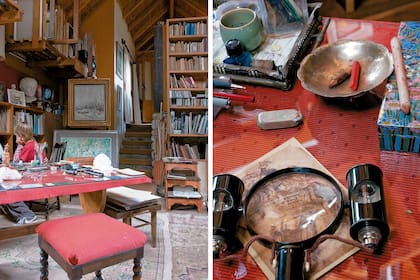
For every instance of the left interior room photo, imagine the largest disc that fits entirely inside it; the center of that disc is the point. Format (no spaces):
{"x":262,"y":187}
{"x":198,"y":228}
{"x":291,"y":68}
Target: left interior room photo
{"x":103,"y":139}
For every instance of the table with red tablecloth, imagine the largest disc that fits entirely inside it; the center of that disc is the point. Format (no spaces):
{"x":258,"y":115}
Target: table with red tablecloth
{"x":47,"y":184}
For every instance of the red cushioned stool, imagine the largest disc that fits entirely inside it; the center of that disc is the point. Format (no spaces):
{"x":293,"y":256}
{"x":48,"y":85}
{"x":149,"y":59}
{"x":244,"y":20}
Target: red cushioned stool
{"x":88,"y":243}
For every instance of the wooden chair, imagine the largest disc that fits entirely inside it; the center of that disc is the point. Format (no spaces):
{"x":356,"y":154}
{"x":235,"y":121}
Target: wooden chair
{"x":49,"y":204}
{"x":89,"y":243}
{"x":46,"y":204}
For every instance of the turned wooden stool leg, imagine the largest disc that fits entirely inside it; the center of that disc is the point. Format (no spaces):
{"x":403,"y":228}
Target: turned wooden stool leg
{"x":127,"y":220}
{"x":153,"y":220}
{"x":46,"y":208}
{"x":98,"y":275}
{"x":44,"y":265}
{"x":137,"y":269}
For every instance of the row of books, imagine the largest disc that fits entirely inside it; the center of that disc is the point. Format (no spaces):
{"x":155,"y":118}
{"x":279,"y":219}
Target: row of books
{"x":189,"y":123}
{"x":188,"y":28}
{"x":186,"y":98}
{"x":185,"y":82}
{"x":36,"y":121}
{"x":188,"y":47}
{"x":3,"y":120}
{"x":195,"y":63}
{"x":184,"y":150}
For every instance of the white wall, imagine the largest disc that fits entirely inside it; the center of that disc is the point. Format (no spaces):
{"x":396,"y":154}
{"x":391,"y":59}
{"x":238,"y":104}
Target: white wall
{"x":120,"y":32}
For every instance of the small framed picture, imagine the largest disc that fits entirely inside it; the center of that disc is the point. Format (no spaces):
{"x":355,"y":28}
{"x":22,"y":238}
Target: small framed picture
{"x":16,"y":97}
{"x":119,"y":59}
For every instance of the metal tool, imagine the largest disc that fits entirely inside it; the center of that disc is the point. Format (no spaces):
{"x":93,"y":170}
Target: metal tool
{"x":225,"y":84}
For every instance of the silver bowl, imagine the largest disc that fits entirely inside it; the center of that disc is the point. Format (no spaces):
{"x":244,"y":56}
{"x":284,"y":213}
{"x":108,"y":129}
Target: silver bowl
{"x":317,"y":68}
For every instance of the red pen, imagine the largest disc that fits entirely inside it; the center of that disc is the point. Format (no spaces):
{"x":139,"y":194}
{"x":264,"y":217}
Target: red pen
{"x":355,"y":73}
{"x":234,"y":97}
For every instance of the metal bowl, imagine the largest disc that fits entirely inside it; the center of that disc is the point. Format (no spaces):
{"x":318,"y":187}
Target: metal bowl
{"x":317,"y":68}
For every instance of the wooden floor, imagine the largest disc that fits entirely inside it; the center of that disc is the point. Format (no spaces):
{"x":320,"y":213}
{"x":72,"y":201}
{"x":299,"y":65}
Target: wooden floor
{"x":383,"y":10}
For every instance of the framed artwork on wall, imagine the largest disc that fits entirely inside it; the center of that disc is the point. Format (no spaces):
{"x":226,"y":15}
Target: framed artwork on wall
{"x":89,"y":103}
{"x":89,"y":143}
{"x":119,"y":59}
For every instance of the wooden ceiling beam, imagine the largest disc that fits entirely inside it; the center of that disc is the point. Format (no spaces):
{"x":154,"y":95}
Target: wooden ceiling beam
{"x":142,"y":15}
{"x":148,"y":25}
{"x":148,"y":39}
{"x":133,"y":8}
{"x":149,"y":17}
{"x":186,"y":8}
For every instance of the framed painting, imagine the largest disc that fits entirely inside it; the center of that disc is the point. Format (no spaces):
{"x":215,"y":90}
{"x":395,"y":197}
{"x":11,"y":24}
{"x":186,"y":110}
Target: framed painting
{"x":89,"y":103}
{"x":119,"y":59}
{"x":16,"y":97}
{"x":89,"y":143}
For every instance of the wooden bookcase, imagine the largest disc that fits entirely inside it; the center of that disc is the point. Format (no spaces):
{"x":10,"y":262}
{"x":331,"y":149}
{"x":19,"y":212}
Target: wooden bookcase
{"x":11,"y":114}
{"x":186,"y":98}
{"x":186,"y":101}
{"x":182,"y":185}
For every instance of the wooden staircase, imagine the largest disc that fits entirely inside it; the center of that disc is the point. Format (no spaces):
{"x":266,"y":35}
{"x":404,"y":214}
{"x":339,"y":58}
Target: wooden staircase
{"x":136,"y":149}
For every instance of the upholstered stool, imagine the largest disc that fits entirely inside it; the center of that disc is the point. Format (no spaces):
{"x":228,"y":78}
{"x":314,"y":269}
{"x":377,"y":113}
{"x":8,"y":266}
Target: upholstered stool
{"x":88,"y":243}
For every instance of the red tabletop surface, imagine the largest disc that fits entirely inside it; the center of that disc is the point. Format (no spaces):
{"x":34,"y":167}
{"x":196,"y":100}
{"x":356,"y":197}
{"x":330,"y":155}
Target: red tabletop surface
{"x":45,"y":184}
{"x":344,"y":136}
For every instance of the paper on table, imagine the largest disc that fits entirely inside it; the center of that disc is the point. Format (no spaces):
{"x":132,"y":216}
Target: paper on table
{"x":30,"y":186}
{"x":293,"y":154}
{"x":130,"y":172}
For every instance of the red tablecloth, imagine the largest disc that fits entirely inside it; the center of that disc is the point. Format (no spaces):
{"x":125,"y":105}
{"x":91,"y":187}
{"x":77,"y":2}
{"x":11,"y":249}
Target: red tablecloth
{"x":343,"y":136}
{"x":47,"y":184}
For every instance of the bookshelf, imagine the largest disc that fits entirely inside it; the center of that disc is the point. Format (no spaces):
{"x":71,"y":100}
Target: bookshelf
{"x":182,"y":185}
{"x":46,"y":36}
{"x":186,"y":106}
{"x":11,"y":115}
{"x":186,"y":84}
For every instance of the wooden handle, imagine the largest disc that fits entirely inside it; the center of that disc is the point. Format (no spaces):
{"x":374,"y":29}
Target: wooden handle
{"x":400,"y":75}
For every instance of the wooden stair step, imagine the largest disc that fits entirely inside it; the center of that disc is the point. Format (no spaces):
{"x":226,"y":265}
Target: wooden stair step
{"x":135,"y":161}
{"x":132,"y":151}
{"x":136,"y":142}
{"x":138,"y":134}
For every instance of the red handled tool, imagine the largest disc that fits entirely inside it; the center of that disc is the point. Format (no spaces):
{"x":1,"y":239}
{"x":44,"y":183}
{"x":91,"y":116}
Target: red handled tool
{"x":355,"y":74}
{"x":234,"y":97}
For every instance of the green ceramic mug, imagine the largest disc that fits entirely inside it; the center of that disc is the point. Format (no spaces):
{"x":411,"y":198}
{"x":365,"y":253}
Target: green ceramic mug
{"x":244,"y":25}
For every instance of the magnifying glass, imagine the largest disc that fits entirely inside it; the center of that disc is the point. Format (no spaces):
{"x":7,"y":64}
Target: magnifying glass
{"x":294,"y":206}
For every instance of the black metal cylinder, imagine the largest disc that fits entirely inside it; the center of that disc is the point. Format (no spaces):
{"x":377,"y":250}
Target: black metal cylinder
{"x":368,"y":215}
{"x":227,"y":196}
{"x":290,"y":262}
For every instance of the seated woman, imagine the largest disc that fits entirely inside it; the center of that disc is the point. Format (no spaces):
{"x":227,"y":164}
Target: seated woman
{"x":27,"y":150}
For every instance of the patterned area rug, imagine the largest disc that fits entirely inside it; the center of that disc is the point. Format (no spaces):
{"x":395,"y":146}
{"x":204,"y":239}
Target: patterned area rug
{"x":189,"y":245}
{"x":183,"y":231}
